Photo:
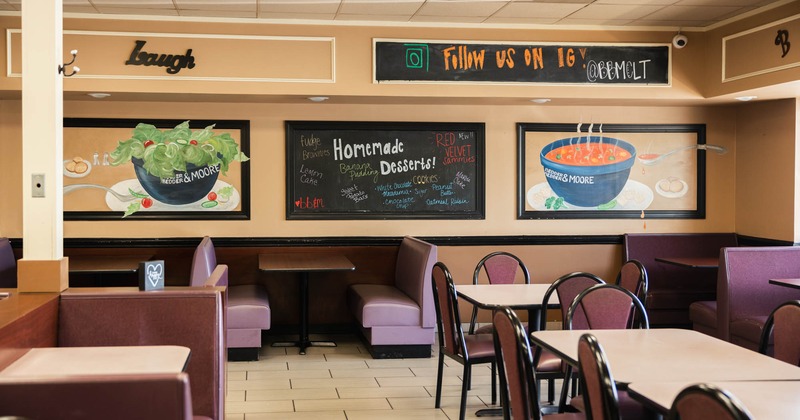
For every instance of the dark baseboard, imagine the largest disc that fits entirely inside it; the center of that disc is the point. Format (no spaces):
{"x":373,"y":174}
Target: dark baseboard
{"x":243,"y":354}
{"x":399,"y":351}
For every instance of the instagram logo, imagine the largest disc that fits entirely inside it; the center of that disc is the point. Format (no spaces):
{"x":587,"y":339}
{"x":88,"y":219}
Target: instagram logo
{"x":417,"y":56}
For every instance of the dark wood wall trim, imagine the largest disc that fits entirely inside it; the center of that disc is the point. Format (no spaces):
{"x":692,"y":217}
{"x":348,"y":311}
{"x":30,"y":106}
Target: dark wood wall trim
{"x":370,"y":241}
{"x":755,"y":241}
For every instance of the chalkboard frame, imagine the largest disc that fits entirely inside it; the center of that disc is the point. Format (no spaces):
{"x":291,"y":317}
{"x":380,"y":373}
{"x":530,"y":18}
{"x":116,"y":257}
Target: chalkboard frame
{"x":426,"y":61}
{"x":477,"y":129}
{"x":660,"y":131}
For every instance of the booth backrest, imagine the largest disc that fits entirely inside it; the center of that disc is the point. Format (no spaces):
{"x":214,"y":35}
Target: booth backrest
{"x":189,"y":317}
{"x":8,"y":265}
{"x":119,"y":397}
{"x":744,"y":290}
{"x":203,"y":262}
{"x":415,"y":260}
{"x":671,"y":288}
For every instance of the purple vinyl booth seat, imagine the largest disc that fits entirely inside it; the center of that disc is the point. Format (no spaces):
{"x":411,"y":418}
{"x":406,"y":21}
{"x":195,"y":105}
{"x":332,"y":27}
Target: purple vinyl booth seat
{"x":744,"y":296}
{"x":191,"y":317}
{"x":398,"y":320}
{"x":8,"y":265}
{"x":248,"y":311}
{"x":673,"y":289}
{"x":119,"y":397}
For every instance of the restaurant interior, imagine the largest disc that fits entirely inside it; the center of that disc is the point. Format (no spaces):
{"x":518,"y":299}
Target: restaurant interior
{"x":292,"y":205}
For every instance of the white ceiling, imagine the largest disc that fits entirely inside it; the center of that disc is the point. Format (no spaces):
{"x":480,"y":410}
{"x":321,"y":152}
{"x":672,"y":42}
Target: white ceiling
{"x":624,"y":13}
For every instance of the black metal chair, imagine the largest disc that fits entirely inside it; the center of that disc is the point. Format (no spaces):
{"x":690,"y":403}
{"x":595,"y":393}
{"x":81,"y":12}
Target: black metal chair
{"x":517,"y":376}
{"x":465,"y":349}
{"x":783,"y":328}
{"x":705,"y":402}
{"x":501,"y":267}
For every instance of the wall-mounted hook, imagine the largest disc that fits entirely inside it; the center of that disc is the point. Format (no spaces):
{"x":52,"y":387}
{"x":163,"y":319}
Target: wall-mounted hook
{"x":75,"y":69}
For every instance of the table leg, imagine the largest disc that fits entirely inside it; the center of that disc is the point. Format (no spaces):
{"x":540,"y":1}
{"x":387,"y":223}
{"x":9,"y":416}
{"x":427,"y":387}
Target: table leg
{"x":303,"y":341}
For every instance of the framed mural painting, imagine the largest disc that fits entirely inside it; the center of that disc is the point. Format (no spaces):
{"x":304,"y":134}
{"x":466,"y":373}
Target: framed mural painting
{"x":156,"y":169}
{"x":611,"y":171}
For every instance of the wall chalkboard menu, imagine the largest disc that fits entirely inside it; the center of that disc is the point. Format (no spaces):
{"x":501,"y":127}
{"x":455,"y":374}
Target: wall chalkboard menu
{"x":461,"y":61}
{"x":384,"y":170}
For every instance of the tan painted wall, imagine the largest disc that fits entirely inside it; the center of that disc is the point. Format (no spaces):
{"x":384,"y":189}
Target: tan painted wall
{"x":268,"y":169}
{"x":714,"y":86}
{"x":766,"y":170}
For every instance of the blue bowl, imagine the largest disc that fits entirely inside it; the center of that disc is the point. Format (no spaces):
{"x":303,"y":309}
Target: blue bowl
{"x":182,"y":188}
{"x":587,"y":186}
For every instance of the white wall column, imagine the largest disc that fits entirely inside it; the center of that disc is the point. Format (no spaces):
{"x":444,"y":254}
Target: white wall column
{"x":42,"y":268}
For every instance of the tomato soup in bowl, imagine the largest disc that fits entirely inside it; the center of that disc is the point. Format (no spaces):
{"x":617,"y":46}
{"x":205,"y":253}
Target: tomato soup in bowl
{"x":587,"y":171}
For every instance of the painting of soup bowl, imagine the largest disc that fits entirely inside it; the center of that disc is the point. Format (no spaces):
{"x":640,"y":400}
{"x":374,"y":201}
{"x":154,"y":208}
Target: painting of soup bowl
{"x":587,"y":171}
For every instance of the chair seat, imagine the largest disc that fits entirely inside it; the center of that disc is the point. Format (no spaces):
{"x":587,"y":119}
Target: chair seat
{"x":628,"y":407}
{"x":548,"y":362}
{"x":479,"y":345}
{"x":489,"y":328}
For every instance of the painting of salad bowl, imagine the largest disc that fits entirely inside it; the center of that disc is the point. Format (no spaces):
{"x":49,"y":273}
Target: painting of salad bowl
{"x":183,"y":187}
{"x":587,"y":171}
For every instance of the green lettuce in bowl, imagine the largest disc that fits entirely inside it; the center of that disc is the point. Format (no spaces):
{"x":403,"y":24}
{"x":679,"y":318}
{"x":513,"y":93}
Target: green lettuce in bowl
{"x":177,"y":166}
{"x":165,"y":152}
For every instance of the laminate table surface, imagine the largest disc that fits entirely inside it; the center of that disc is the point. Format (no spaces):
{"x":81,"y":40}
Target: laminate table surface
{"x":791,"y":283}
{"x":691,"y":262}
{"x":106,"y":263}
{"x":304,"y":263}
{"x":108,"y":360}
{"x":515,"y":296}
{"x":765,"y":400}
{"x":669,"y":355}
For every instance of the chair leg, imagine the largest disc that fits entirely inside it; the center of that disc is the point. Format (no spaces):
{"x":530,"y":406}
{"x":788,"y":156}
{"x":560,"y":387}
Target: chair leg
{"x":551,"y":390}
{"x":562,"y":402}
{"x":439,"y":373}
{"x":494,"y":383}
{"x":464,"y":387}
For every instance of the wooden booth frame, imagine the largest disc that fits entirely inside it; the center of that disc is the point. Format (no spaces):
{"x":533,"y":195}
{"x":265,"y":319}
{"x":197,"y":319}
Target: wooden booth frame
{"x":411,"y":170}
{"x":671,"y":187}
{"x":89,"y":175}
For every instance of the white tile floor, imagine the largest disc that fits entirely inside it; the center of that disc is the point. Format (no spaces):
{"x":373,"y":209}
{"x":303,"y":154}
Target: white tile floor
{"x":345,"y":383}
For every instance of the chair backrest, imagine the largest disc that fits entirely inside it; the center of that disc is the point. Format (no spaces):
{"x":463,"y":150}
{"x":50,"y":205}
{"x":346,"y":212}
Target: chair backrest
{"x":783,"y":325}
{"x":606,"y":307}
{"x":566,"y":288}
{"x":415,"y":260}
{"x":501,"y":267}
{"x":451,"y":337}
{"x":203,"y":262}
{"x":517,"y":376}
{"x":600,"y":392}
{"x":633,"y":277}
{"x":706,"y":401}
{"x":150,"y":396}
{"x":8,"y":265}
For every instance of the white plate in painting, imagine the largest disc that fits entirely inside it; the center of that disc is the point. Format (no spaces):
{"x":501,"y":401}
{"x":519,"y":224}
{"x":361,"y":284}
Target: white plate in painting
{"x":672,"y":194}
{"x":122,"y":187}
{"x":634,"y":196}
{"x":71,"y":174}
